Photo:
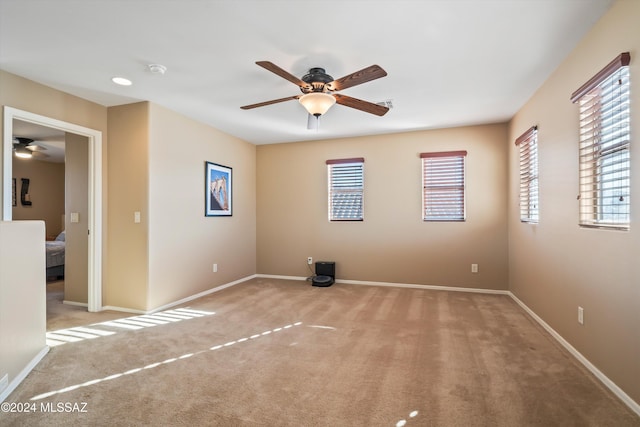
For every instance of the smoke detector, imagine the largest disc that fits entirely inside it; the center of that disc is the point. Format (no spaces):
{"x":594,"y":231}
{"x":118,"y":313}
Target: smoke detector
{"x":157,"y":68}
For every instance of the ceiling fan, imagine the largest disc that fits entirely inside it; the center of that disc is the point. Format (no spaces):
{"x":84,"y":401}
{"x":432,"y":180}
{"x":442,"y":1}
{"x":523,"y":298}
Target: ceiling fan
{"x":26,"y":149}
{"x":318,"y":89}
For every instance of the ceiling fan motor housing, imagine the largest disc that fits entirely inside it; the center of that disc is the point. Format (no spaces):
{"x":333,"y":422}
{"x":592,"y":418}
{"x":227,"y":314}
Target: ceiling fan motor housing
{"x":23,"y":141}
{"x":317,"y":79}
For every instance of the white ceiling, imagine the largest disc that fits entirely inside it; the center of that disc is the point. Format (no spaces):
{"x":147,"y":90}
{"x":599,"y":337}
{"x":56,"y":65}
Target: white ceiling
{"x":449,"y":62}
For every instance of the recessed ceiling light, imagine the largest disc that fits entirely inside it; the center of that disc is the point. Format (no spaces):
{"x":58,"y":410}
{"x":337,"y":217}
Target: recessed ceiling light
{"x":121,"y":81}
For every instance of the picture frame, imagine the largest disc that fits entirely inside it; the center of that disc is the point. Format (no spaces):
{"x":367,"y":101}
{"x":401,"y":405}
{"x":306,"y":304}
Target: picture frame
{"x":218,"y":190}
{"x":14,"y":200}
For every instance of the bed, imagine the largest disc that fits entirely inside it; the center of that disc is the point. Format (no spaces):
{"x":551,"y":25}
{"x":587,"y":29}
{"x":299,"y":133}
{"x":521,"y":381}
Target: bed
{"x":55,"y":256}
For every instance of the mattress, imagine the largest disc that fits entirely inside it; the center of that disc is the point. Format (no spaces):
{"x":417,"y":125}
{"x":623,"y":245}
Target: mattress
{"x":55,"y":253}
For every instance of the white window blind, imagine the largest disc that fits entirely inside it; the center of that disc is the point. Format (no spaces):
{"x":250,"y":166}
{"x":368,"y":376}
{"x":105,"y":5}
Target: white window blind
{"x":443,"y":184}
{"x":528,"y":146}
{"x":604,"y":160}
{"x":346,"y":189}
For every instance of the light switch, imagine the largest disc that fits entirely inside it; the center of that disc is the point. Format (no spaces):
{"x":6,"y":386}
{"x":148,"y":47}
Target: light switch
{"x":136,"y":217}
{"x":75,"y":217}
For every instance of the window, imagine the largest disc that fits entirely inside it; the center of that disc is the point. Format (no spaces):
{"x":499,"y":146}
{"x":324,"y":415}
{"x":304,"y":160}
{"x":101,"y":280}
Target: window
{"x":443,"y":186}
{"x":346,"y":188}
{"x":528,"y":145}
{"x":604,"y":147}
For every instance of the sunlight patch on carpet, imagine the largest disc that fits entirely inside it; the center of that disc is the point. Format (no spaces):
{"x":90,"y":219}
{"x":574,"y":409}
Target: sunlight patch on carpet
{"x":322,"y":327}
{"x":403,"y":422}
{"x":155,"y":365}
{"x":64,"y":336}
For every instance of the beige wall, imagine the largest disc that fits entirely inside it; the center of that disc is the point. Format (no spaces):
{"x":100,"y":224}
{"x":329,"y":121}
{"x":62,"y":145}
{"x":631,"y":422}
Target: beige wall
{"x":76,"y":286}
{"x":183,"y":243}
{"x":160,"y":157}
{"x":22,"y":300}
{"x":392,"y":244}
{"x":556,"y":266}
{"x":46,"y":187}
{"x":128,"y":263}
{"x":280,"y":214}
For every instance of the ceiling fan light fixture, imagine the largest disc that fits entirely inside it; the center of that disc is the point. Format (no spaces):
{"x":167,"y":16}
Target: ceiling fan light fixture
{"x":23,"y":153}
{"x":317,"y":103}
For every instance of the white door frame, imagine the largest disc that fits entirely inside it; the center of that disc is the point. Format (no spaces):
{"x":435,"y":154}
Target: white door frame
{"x":95,"y":189}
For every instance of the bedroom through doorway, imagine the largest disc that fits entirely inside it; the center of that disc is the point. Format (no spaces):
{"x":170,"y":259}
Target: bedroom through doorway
{"x":65,"y":193}
{"x":50,"y":176}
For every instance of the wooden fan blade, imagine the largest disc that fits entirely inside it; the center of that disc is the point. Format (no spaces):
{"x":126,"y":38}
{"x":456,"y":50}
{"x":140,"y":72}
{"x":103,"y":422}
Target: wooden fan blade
{"x":282,"y":73}
{"x":274,"y":101}
{"x":365,"y":75}
{"x":358,"y":104}
{"x":36,"y":147}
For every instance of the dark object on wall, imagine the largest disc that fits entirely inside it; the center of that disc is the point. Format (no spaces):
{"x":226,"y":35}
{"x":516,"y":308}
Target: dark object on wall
{"x":14,"y":198}
{"x":325,"y":274}
{"x":25,"y":198}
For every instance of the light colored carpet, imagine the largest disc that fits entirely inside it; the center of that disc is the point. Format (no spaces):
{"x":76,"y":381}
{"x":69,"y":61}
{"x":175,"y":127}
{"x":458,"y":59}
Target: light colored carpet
{"x":284,"y":353}
{"x":60,"y":315}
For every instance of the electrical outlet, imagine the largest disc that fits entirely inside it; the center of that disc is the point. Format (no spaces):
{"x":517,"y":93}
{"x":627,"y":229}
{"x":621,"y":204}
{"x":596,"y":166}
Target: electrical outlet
{"x":215,"y":268}
{"x":309,"y":260}
{"x":581,"y":315}
{"x":474,"y":268}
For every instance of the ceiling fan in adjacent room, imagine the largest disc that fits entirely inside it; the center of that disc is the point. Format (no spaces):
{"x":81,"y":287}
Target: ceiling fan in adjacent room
{"x":26,"y":149}
{"x":318,"y":89}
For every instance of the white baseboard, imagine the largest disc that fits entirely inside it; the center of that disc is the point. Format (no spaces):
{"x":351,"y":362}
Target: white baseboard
{"x":23,"y":374}
{"x":396,"y":285}
{"x":276,"y":276}
{"x":635,"y":407}
{"x":429,"y":287}
{"x":181,"y":301}
{"x":201,"y":294}
{"x":77,"y":304}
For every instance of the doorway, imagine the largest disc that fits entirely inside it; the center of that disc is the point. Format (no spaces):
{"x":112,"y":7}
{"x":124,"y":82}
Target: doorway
{"x":94,"y":212}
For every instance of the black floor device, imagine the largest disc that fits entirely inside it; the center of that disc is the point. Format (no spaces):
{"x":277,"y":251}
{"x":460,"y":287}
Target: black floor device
{"x":325,"y":274}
